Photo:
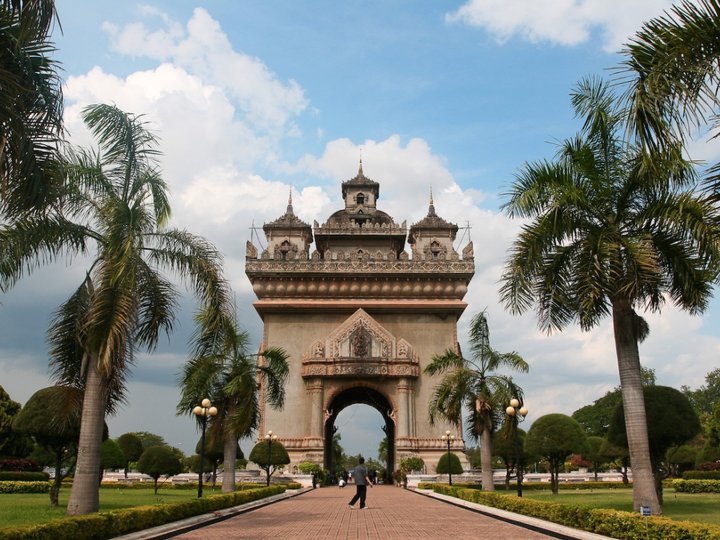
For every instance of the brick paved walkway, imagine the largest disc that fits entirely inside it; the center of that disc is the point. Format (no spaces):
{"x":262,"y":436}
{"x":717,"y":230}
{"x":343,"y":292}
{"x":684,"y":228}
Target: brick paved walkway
{"x":392,"y":513}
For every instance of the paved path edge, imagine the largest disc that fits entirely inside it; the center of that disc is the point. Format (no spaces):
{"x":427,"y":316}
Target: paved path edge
{"x":178,"y":527}
{"x":537,"y":524}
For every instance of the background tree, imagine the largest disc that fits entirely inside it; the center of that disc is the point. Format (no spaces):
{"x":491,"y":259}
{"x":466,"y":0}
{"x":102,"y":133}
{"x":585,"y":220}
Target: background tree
{"x":707,"y":397}
{"x":504,"y":448}
{"x":595,"y":419}
{"x":555,"y":437}
{"x":159,"y":461}
{"x":214,"y":453}
{"x":617,"y":455}
{"x":473,"y":386}
{"x":383,"y":450}
{"x":114,"y":206}
{"x":671,"y":421}
{"x":269,"y":456}
{"x":449,"y":464}
{"x":111,"y":456}
{"x":52,"y":417}
{"x":223,"y":369}
{"x":681,"y":458}
{"x":410,"y":464}
{"x":12,"y":443}
{"x":594,"y":454}
{"x":148,"y":439}
{"x":132,"y":448}
{"x":31,"y":107}
{"x":607,"y":234}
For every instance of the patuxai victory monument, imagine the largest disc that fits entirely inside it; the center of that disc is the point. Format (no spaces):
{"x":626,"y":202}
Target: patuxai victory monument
{"x":360,"y":316}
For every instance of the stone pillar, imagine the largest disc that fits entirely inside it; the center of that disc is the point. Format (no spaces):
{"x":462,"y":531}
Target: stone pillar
{"x":404,"y":387}
{"x":315,"y":389}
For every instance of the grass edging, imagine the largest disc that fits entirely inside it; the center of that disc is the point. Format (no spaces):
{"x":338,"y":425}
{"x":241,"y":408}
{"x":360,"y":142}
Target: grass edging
{"x":613,"y":523}
{"x":128,"y":520}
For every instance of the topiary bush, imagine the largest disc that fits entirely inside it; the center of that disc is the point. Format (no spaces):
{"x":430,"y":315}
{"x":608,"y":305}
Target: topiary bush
{"x":697,"y":486}
{"x":24,"y":476}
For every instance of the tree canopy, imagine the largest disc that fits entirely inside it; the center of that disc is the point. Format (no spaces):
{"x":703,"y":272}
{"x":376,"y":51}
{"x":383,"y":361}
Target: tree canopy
{"x":159,"y":461}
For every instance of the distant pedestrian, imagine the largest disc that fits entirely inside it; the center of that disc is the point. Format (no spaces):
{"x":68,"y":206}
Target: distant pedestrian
{"x":362,"y":481}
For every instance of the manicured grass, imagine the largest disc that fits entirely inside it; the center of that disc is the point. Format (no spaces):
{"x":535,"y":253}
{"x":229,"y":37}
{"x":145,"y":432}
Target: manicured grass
{"x":699,"y":507}
{"x":30,"y":509}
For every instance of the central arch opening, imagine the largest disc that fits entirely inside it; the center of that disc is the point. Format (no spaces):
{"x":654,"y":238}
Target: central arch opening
{"x":364,"y":396}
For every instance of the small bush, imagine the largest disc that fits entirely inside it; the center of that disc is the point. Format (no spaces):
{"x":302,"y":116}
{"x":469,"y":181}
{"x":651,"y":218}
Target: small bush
{"x":19,"y":465}
{"x":701,"y":475}
{"x":697,"y":486}
{"x":25,"y":487}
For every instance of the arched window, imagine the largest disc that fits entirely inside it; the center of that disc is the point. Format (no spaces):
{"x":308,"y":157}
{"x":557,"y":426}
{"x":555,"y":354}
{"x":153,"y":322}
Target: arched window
{"x":360,"y":199}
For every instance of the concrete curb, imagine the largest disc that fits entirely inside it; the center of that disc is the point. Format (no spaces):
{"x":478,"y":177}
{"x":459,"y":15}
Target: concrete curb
{"x":540,"y":525}
{"x":178,"y":527}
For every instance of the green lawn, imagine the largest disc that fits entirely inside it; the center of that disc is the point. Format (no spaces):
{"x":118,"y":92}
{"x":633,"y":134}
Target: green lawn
{"x":29,"y":509}
{"x":681,"y":506}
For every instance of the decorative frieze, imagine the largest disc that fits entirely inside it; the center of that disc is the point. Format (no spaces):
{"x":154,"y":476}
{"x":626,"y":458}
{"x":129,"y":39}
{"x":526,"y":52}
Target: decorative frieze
{"x":354,"y":368}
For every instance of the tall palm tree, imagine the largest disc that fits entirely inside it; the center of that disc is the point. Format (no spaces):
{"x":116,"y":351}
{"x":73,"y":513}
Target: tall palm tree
{"x":114,"y":211}
{"x":223,"y":370}
{"x":672,"y":67}
{"x":607,"y":235}
{"x":473,"y":386}
{"x":31,"y":106}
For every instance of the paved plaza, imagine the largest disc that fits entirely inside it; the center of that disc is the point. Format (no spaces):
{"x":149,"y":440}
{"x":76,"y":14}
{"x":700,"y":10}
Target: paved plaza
{"x":392,"y":513}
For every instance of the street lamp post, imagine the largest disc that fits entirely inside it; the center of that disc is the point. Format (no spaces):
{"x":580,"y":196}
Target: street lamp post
{"x":269,"y":438}
{"x":517,"y":414}
{"x":448,"y":438}
{"x":203,"y":411}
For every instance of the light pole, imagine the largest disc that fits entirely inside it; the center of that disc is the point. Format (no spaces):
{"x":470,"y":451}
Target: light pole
{"x":203,"y":411}
{"x":517,"y":414}
{"x":269,"y":438}
{"x":448,"y":438}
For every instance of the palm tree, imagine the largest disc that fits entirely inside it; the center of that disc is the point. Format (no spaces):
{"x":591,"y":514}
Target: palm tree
{"x":607,"y":235}
{"x":673,"y":73}
{"x":472,"y":385}
{"x":31,"y":106}
{"x":114,"y":210}
{"x":223,"y":370}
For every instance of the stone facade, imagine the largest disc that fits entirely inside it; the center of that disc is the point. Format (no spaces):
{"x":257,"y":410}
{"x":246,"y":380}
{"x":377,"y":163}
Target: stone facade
{"x":360,"y":318}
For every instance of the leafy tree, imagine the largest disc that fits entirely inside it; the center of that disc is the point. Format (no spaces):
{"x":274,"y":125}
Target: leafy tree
{"x":681,"y":458}
{"x":707,"y":397}
{"x":472,"y":453}
{"x":269,"y":456}
{"x":111,"y":456}
{"x":594,"y":454}
{"x":52,"y":417}
{"x":671,"y":421}
{"x":505,"y":448}
{"x":412,"y":463}
{"x":555,"y":437}
{"x":114,"y":207}
{"x":148,"y":439}
{"x":473,"y":385}
{"x":223,"y":368}
{"x":383,"y":450}
{"x":607,"y":234}
{"x":12,"y":443}
{"x":450,"y":464}
{"x":214,"y":453}
{"x":31,"y":107}
{"x":619,"y":456}
{"x":595,"y":418}
{"x":159,"y":461}
{"x":132,"y":448}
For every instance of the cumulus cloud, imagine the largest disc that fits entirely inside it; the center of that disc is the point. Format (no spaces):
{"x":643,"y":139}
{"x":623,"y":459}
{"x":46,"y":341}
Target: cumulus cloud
{"x":560,"y":22}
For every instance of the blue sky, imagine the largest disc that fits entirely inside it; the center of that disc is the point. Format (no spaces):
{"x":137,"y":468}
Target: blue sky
{"x":251,"y":98}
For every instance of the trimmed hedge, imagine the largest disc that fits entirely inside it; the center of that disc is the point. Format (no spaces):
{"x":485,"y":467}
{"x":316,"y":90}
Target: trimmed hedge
{"x":118,"y":522}
{"x":701,"y":475}
{"x":25,"y":487}
{"x":613,"y":523}
{"x":697,"y":486}
{"x":541,"y":486}
{"x":24,"y":476}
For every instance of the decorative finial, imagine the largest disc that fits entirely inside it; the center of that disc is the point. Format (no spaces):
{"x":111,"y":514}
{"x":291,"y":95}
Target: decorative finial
{"x":431,"y":208}
{"x":360,"y":171}
{"x":289,"y":206}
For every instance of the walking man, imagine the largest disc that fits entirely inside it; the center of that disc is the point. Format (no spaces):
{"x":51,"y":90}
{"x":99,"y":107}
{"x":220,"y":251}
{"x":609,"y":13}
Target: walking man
{"x":360,"y":475}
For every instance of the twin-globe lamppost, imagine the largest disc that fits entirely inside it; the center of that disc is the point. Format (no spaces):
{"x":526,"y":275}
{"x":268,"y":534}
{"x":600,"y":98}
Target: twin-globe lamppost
{"x":269,"y":438}
{"x":203,"y":411}
{"x":517,"y":414}
{"x":449,"y":439}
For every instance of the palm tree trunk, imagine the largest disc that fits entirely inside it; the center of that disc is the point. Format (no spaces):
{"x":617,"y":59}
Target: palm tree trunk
{"x":85,"y":493}
{"x":486,"y":455}
{"x":628,"y":359}
{"x":230,"y":442}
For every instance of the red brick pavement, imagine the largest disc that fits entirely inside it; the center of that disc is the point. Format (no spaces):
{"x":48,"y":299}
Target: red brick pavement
{"x":392,"y":513}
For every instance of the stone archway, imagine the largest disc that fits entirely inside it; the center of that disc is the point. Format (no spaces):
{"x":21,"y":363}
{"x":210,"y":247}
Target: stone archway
{"x":366,"y":396}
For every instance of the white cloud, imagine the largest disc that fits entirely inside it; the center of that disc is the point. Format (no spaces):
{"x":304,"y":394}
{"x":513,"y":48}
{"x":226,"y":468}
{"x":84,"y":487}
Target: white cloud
{"x":560,"y":22}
